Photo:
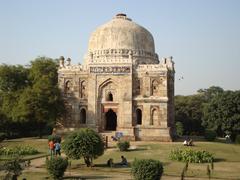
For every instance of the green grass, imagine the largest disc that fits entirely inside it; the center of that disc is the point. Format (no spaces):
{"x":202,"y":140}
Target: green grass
{"x":227,"y":156}
{"x":40,"y":144}
{"x":227,"y":165}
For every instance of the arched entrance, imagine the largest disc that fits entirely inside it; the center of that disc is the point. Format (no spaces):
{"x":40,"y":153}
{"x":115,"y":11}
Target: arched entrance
{"x":111,"y":120}
{"x":139,"y":116}
{"x":83,"y":116}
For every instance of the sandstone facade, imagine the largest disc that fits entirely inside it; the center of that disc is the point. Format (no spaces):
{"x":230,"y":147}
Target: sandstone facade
{"x":121,"y":86}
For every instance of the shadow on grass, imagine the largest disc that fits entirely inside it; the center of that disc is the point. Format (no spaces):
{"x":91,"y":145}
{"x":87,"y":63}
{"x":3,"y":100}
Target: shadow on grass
{"x":116,"y":165}
{"x":10,"y":140}
{"x":219,"y":160}
{"x":85,"y":177}
{"x":77,"y":166}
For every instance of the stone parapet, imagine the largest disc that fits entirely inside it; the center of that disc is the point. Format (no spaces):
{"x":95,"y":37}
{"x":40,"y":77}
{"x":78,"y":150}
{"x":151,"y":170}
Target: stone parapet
{"x":120,"y":56}
{"x":164,"y":65}
{"x":150,"y":99}
{"x":78,"y":68}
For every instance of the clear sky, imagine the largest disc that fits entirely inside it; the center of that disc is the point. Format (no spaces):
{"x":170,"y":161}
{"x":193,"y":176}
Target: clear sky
{"x":203,"y":36}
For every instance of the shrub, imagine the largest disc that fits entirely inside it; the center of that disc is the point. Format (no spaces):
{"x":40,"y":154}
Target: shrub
{"x":13,"y":168}
{"x":147,"y":169}
{"x":179,"y":128}
{"x":189,"y":155}
{"x":55,"y":138}
{"x":85,"y":143}
{"x":210,"y":135}
{"x":18,"y":150}
{"x":123,"y":145}
{"x":56,"y":166}
{"x":237,"y":139}
{"x":2,"y":136}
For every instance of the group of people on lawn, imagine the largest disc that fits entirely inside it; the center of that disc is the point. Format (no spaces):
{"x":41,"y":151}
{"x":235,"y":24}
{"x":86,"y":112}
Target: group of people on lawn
{"x":188,"y":142}
{"x":123,"y":163}
{"x":54,"y":148}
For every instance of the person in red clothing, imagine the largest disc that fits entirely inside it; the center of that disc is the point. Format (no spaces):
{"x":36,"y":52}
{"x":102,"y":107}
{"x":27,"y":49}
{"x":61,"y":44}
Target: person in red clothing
{"x":51,"y":147}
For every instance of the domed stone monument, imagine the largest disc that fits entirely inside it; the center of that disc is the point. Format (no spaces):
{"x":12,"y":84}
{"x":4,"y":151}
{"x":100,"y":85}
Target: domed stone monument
{"x":122,"y":87}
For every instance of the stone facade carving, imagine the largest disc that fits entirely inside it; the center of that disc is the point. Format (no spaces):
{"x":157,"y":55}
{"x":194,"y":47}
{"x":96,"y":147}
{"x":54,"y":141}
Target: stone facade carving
{"x":110,"y":69}
{"x":121,"y":86}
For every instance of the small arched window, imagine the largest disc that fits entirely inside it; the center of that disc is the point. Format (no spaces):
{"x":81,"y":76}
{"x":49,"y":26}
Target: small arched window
{"x":83,"y":89}
{"x":154,"y":117}
{"x":67,"y":87}
{"x":109,"y":97}
{"x":154,"y":87}
{"x":139,"y":116}
{"x":83,"y":116}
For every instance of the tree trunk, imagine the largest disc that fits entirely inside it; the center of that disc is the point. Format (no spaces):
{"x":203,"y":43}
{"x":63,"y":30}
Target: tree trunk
{"x":39,"y":132}
{"x":40,"y":128}
{"x":87,"y":161}
{"x":14,"y":177}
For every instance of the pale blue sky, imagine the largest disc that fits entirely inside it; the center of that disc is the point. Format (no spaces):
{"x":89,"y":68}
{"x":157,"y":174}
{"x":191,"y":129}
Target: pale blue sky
{"x":203,"y":36}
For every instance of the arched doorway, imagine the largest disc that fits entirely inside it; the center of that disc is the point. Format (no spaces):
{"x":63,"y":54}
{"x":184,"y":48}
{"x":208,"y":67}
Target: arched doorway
{"x":83,"y":116}
{"x":111,"y":120}
{"x":139,"y":116}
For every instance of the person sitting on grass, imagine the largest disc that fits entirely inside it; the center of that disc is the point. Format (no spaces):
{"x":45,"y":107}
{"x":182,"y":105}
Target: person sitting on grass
{"x":185,"y":142}
{"x":110,"y":162}
{"x":188,"y":142}
{"x":124,"y":161}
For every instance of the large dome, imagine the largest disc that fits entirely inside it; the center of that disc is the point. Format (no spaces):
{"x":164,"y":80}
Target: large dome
{"x":121,"y":33}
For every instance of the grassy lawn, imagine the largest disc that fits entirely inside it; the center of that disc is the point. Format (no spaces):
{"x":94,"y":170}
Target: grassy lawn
{"x":227,"y":165}
{"x":39,"y":144}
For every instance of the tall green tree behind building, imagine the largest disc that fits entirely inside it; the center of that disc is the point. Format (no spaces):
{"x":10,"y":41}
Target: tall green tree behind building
{"x":189,"y":109}
{"x":33,"y":96}
{"x":222,"y":113}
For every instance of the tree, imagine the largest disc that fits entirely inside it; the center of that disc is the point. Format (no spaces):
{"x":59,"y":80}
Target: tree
{"x":179,"y":128}
{"x":188,"y":111}
{"x":222,"y":113}
{"x":13,"y":78}
{"x":30,"y":95}
{"x":3,"y":124}
{"x":85,"y":143}
{"x":210,"y":92}
{"x":56,"y":166}
{"x":13,"y":168}
{"x":42,"y":102}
